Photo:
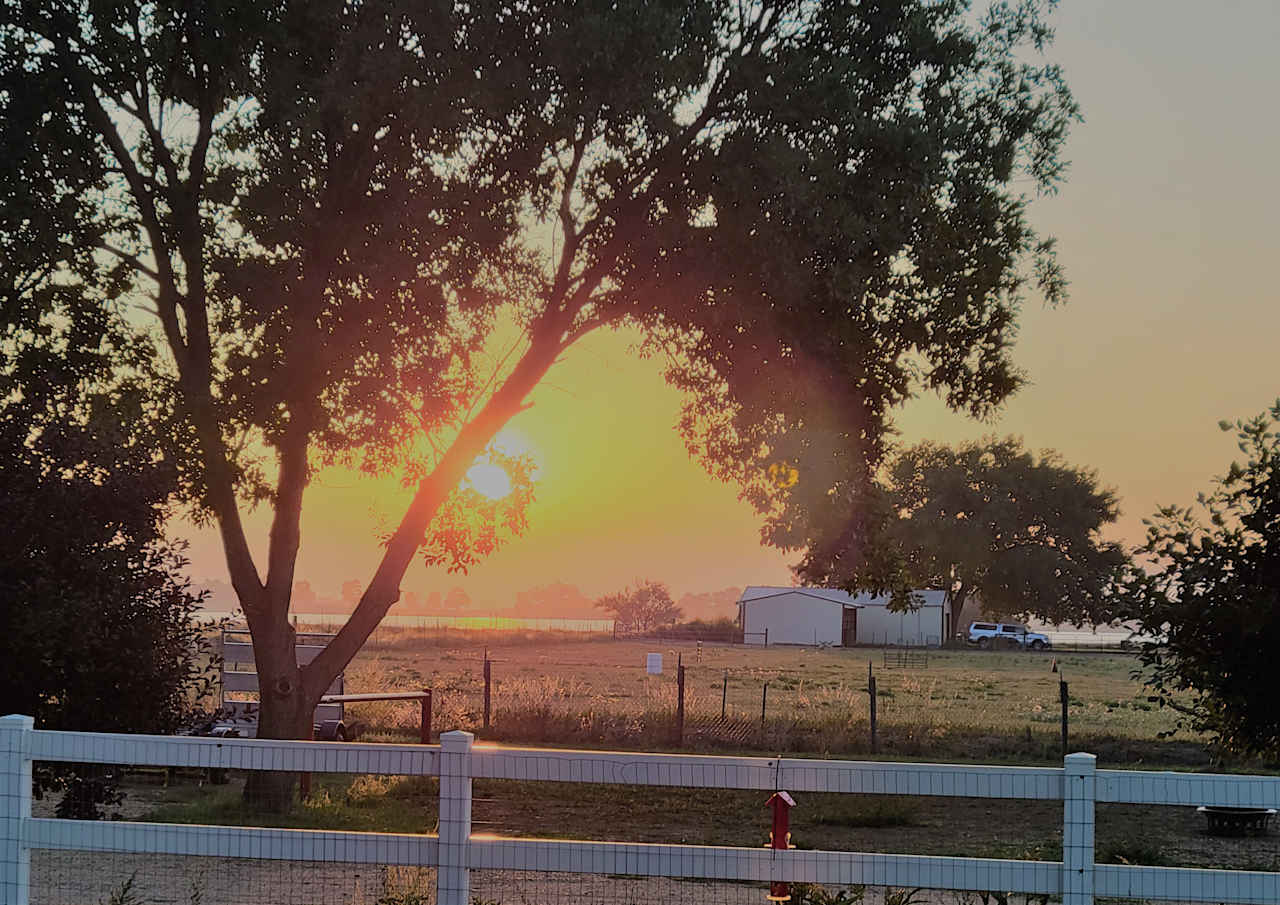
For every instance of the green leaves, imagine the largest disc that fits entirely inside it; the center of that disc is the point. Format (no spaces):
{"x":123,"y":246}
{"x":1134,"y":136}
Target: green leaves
{"x":1021,"y":532}
{"x":1208,"y":608}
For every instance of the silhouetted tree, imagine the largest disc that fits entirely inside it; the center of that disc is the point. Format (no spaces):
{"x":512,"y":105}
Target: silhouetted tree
{"x":989,"y":519}
{"x":326,"y":207}
{"x":642,"y":608}
{"x":98,"y":626}
{"x":1209,"y":612}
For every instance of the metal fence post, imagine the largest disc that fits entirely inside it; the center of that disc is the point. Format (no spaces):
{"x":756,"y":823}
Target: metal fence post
{"x":15,"y":808}
{"x":680,"y":705}
{"x":871,"y":710}
{"x":1064,"y":697}
{"x":1079,"y":793}
{"x":453,"y":877}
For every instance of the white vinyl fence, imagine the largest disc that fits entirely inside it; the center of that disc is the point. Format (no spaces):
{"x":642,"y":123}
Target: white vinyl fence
{"x":455,"y":852}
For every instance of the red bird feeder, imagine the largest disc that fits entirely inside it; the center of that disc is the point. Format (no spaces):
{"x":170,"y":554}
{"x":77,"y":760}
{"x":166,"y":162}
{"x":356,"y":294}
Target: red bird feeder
{"x":780,"y":838}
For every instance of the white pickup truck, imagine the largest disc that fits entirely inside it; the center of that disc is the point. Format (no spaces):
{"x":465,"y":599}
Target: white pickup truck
{"x":1005,"y":634}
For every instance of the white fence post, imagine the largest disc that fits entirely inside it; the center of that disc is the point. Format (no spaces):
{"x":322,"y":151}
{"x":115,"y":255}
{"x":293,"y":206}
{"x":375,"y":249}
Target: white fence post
{"x":1078,"y":794}
{"x":15,"y":808}
{"x":453,"y":877}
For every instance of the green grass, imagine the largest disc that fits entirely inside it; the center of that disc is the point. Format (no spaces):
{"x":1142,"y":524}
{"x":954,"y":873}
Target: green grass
{"x":395,"y":804}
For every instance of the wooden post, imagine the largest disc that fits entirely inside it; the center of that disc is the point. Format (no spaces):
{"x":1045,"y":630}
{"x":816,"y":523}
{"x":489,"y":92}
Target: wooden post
{"x":724,"y":694}
{"x":766,"y":636}
{"x":488,"y":674}
{"x":679,"y":705}
{"x":871,"y":692}
{"x":424,"y":725}
{"x":1065,"y":697}
{"x":764,"y":697}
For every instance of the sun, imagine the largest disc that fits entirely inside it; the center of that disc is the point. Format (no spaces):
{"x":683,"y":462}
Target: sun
{"x":489,"y":480}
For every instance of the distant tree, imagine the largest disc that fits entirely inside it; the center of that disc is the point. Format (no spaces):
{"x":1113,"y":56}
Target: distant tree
{"x":304,"y":596}
{"x":1209,"y":612}
{"x":457,"y":600}
{"x":642,"y":608}
{"x":711,"y":605}
{"x":318,"y":214}
{"x":557,"y":599}
{"x":351,"y":592}
{"x":1021,"y":532}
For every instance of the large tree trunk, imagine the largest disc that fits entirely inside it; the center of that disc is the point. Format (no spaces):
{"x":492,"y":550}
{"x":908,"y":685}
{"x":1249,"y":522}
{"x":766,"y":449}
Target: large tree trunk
{"x":285,"y":709}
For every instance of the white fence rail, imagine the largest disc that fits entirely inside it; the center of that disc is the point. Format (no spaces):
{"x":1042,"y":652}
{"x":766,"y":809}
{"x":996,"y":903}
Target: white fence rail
{"x":455,"y":853}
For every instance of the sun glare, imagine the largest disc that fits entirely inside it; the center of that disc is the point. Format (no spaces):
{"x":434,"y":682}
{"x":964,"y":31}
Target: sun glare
{"x":489,"y":480}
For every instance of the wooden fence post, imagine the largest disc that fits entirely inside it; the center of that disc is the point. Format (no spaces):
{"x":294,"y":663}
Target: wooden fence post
{"x":15,"y":808}
{"x":1079,"y":792}
{"x":453,"y":876}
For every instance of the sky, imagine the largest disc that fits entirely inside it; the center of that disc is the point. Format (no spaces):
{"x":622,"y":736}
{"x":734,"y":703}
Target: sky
{"x":1167,"y":226}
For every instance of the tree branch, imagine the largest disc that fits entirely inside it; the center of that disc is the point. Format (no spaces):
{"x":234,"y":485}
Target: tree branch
{"x":384,"y":588}
{"x":131,"y":260}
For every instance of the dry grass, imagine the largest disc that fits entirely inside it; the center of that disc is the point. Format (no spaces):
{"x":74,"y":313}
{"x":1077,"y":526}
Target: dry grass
{"x":963,"y":705}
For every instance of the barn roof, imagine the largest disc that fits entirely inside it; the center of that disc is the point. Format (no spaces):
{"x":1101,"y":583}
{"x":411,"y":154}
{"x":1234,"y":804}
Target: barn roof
{"x":834,"y":595}
{"x":831,"y":595}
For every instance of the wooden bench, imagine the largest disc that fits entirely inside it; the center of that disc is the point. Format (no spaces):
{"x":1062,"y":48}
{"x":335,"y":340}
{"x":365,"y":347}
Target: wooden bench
{"x":240,"y":679}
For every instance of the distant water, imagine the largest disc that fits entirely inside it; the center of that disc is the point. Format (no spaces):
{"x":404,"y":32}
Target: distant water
{"x":470,"y":623}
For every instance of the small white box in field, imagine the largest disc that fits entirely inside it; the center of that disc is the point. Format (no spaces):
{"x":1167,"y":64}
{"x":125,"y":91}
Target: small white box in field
{"x":653,"y":664}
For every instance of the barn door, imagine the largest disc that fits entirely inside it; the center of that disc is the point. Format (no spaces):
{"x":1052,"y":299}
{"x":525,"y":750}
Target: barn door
{"x":849,"y":627}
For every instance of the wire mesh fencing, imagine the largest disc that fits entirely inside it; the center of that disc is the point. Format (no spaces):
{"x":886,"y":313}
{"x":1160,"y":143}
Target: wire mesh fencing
{"x":404,"y":824}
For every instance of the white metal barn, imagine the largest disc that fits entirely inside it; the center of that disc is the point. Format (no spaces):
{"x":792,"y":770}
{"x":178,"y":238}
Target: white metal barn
{"x":771,"y":615}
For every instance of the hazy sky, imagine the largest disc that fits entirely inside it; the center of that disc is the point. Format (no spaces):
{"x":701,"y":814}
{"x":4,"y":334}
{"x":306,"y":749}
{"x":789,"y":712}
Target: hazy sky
{"x":1167,"y":228}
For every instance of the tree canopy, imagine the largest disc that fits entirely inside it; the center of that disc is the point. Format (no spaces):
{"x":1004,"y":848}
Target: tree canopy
{"x":98,"y":627}
{"x":990,"y":519}
{"x":642,"y":608}
{"x":310,"y":216}
{"x":1209,"y":610}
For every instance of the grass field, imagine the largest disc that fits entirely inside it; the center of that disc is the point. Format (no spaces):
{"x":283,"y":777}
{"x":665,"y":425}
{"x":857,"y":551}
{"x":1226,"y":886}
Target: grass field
{"x":963,"y":705}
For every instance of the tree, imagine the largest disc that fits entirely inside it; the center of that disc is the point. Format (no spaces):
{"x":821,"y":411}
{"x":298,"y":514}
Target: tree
{"x":1209,"y":610}
{"x":98,"y":626}
{"x":325,"y":208}
{"x":989,"y":520}
{"x":351,"y":591}
{"x":457,"y":601}
{"x":712,"y":606}
{"x":555,"y":600}
{"x":643,"y":608}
